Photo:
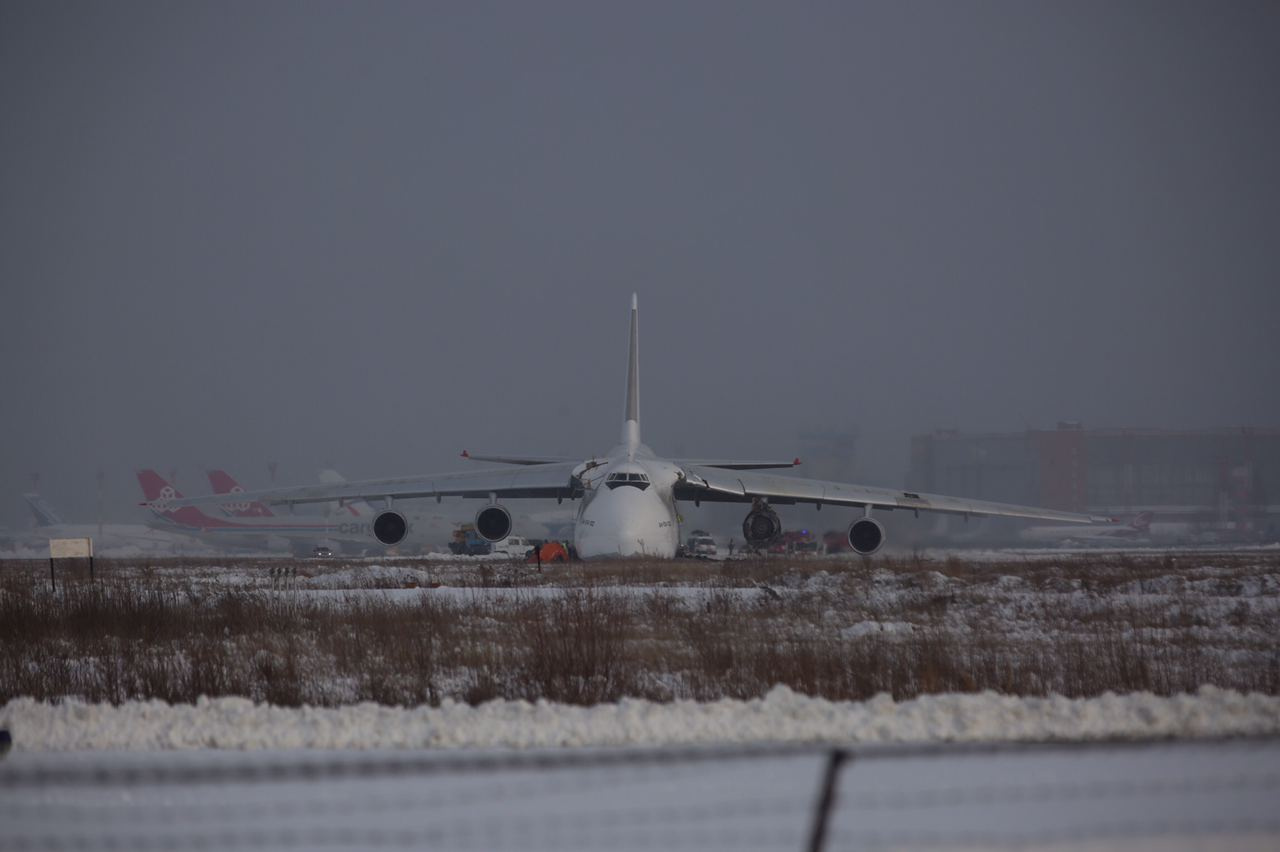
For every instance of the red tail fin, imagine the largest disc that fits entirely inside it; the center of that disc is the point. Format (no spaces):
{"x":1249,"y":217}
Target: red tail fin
{"x":160,"y":494}
{"x":156,"y":488}
{"x":223,"y":483}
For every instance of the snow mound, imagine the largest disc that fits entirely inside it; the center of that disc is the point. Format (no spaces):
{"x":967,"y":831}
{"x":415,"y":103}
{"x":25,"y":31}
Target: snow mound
{"x":368,"y":576}
{"x":780,"y":716}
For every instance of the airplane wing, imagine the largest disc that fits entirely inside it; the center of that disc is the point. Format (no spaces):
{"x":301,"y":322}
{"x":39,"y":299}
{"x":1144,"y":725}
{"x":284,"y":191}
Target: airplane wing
{"x":728,"y":464}
{"x":737,"y":464}
{"x":731,"y":486}
{"x":528,"y":460}
{"x":543,"y":480}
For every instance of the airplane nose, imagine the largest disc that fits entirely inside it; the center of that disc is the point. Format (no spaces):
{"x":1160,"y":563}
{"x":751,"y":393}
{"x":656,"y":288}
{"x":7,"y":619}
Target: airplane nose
{"x":629,"y":537}
{"x":631,"y":542}
{"x":621,"y":523}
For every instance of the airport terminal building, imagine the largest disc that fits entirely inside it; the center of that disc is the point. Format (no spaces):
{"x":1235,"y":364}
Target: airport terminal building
{"x":1221,"y":481}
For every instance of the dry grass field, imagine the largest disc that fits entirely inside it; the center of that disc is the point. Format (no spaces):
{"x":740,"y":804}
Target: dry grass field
{"x":410,"y":632}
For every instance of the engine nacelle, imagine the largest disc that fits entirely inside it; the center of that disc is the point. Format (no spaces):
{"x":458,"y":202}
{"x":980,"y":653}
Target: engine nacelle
{"x":761,"y":526}
{"x":493,"y":523}
{"x":866,"y":536}
{"x":390,"y":527}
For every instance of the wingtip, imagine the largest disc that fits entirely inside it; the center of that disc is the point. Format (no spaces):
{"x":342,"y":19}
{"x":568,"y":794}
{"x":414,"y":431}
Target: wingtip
{"x":795,"y":462}
{"x":466,"y":455}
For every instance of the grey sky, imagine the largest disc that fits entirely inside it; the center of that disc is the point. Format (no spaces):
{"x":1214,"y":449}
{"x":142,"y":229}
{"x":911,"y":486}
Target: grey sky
{"x":374,"y":234}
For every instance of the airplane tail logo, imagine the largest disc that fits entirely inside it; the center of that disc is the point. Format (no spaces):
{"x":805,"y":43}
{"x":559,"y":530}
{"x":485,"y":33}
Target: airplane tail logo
{"x":160,"y":496}
{"x":223,"y":483}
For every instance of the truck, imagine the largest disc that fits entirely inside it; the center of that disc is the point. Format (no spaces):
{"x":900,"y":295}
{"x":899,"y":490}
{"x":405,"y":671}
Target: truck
{"x":700,"y":545}
{"x":796,"y":543}
{"x":467,"y":542}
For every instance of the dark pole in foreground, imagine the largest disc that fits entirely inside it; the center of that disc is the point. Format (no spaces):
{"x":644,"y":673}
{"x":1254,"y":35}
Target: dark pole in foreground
{"x":52,"y":584}
{"x":822,"y":811}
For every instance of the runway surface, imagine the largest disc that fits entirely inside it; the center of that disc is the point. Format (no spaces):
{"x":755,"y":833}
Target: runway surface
{"x":1167,"y":795}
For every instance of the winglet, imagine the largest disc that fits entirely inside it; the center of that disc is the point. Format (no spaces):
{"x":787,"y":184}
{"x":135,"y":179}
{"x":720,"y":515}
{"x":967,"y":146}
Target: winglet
{"x":795,"y":462}
{"x":466,"y":455}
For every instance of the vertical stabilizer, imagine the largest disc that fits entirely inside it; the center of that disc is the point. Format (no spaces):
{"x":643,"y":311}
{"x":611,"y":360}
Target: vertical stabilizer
{"x":224,"y":483}
{"x":631,"y":417}
{"x":356,"y":508}
{"x":160,"y":494}
{"x":44,"y":514}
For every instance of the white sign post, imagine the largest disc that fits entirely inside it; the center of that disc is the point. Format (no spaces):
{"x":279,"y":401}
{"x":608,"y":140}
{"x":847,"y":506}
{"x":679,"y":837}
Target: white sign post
{"x":70,"y":548}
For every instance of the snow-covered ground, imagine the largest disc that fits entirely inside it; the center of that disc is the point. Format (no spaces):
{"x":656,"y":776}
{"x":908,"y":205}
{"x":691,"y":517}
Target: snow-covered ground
{"x":135,"y":775}
{"x":780,"y":716}
{"x":409,"y":631}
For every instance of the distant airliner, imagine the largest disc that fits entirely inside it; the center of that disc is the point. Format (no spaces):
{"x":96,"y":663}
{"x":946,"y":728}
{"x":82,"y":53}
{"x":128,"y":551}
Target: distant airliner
{"x":628,"y":497}
{"x":1114,"y":532}
{"x":245,"y":522}
{"x":48,"y":524}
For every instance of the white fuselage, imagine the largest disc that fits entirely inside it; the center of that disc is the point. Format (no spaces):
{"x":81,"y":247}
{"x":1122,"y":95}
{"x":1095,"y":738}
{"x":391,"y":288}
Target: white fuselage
{"x":105,"y":537}
{"x":628,"y":509}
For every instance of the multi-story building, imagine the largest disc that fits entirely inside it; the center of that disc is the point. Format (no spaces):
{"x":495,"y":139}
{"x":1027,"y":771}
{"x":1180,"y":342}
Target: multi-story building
{"x":1216,"y":478}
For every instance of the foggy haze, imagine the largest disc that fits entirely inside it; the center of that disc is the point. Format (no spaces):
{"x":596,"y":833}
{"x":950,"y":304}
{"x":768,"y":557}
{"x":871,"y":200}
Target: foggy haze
{"x":372,"y":235}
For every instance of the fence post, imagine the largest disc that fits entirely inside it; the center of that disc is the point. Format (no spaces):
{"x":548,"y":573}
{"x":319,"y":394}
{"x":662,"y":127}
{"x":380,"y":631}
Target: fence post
{"x":822,"y":809}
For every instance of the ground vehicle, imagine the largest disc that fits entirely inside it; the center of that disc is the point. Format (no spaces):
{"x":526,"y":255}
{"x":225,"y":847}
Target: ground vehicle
{"x":797,"y":542}
{"x":515,"y":546}
{"x":322,"y":552}
{"x":700,"y":545}
{"x":835,"y":541}
{"x":467,"y":542}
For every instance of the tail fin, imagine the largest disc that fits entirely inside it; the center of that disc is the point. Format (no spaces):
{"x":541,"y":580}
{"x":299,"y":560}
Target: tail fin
{"x":631,"y":414}
{"x":160,"y":495}
{"x":45,"y":516}
{"x":356,"y":508}
{"x":224,"y":483}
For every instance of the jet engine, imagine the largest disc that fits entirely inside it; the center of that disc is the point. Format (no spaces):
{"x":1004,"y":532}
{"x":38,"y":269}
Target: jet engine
{"x":865,"y":536}
{"x":493,"y":523}
{"x":761,"y":526}
{"x":390,"y":527}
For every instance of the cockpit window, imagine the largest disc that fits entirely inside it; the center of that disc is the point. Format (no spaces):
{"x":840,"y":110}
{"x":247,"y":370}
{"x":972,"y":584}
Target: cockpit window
{"x":633,"y":480}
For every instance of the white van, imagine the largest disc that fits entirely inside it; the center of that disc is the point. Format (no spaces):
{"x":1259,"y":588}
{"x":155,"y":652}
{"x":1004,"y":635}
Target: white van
{"x":513,"y":547}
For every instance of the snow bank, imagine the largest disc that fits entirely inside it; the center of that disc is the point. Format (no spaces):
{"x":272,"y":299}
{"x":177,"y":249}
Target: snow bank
{"x":781,"y":716}
{"x":364,"y":576}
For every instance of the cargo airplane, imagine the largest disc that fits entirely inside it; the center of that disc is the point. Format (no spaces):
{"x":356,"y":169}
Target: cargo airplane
{"x":627,"y":498}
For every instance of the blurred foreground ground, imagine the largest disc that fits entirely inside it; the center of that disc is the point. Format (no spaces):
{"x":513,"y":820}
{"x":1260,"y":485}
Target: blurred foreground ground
{"x":1180,"y":796}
